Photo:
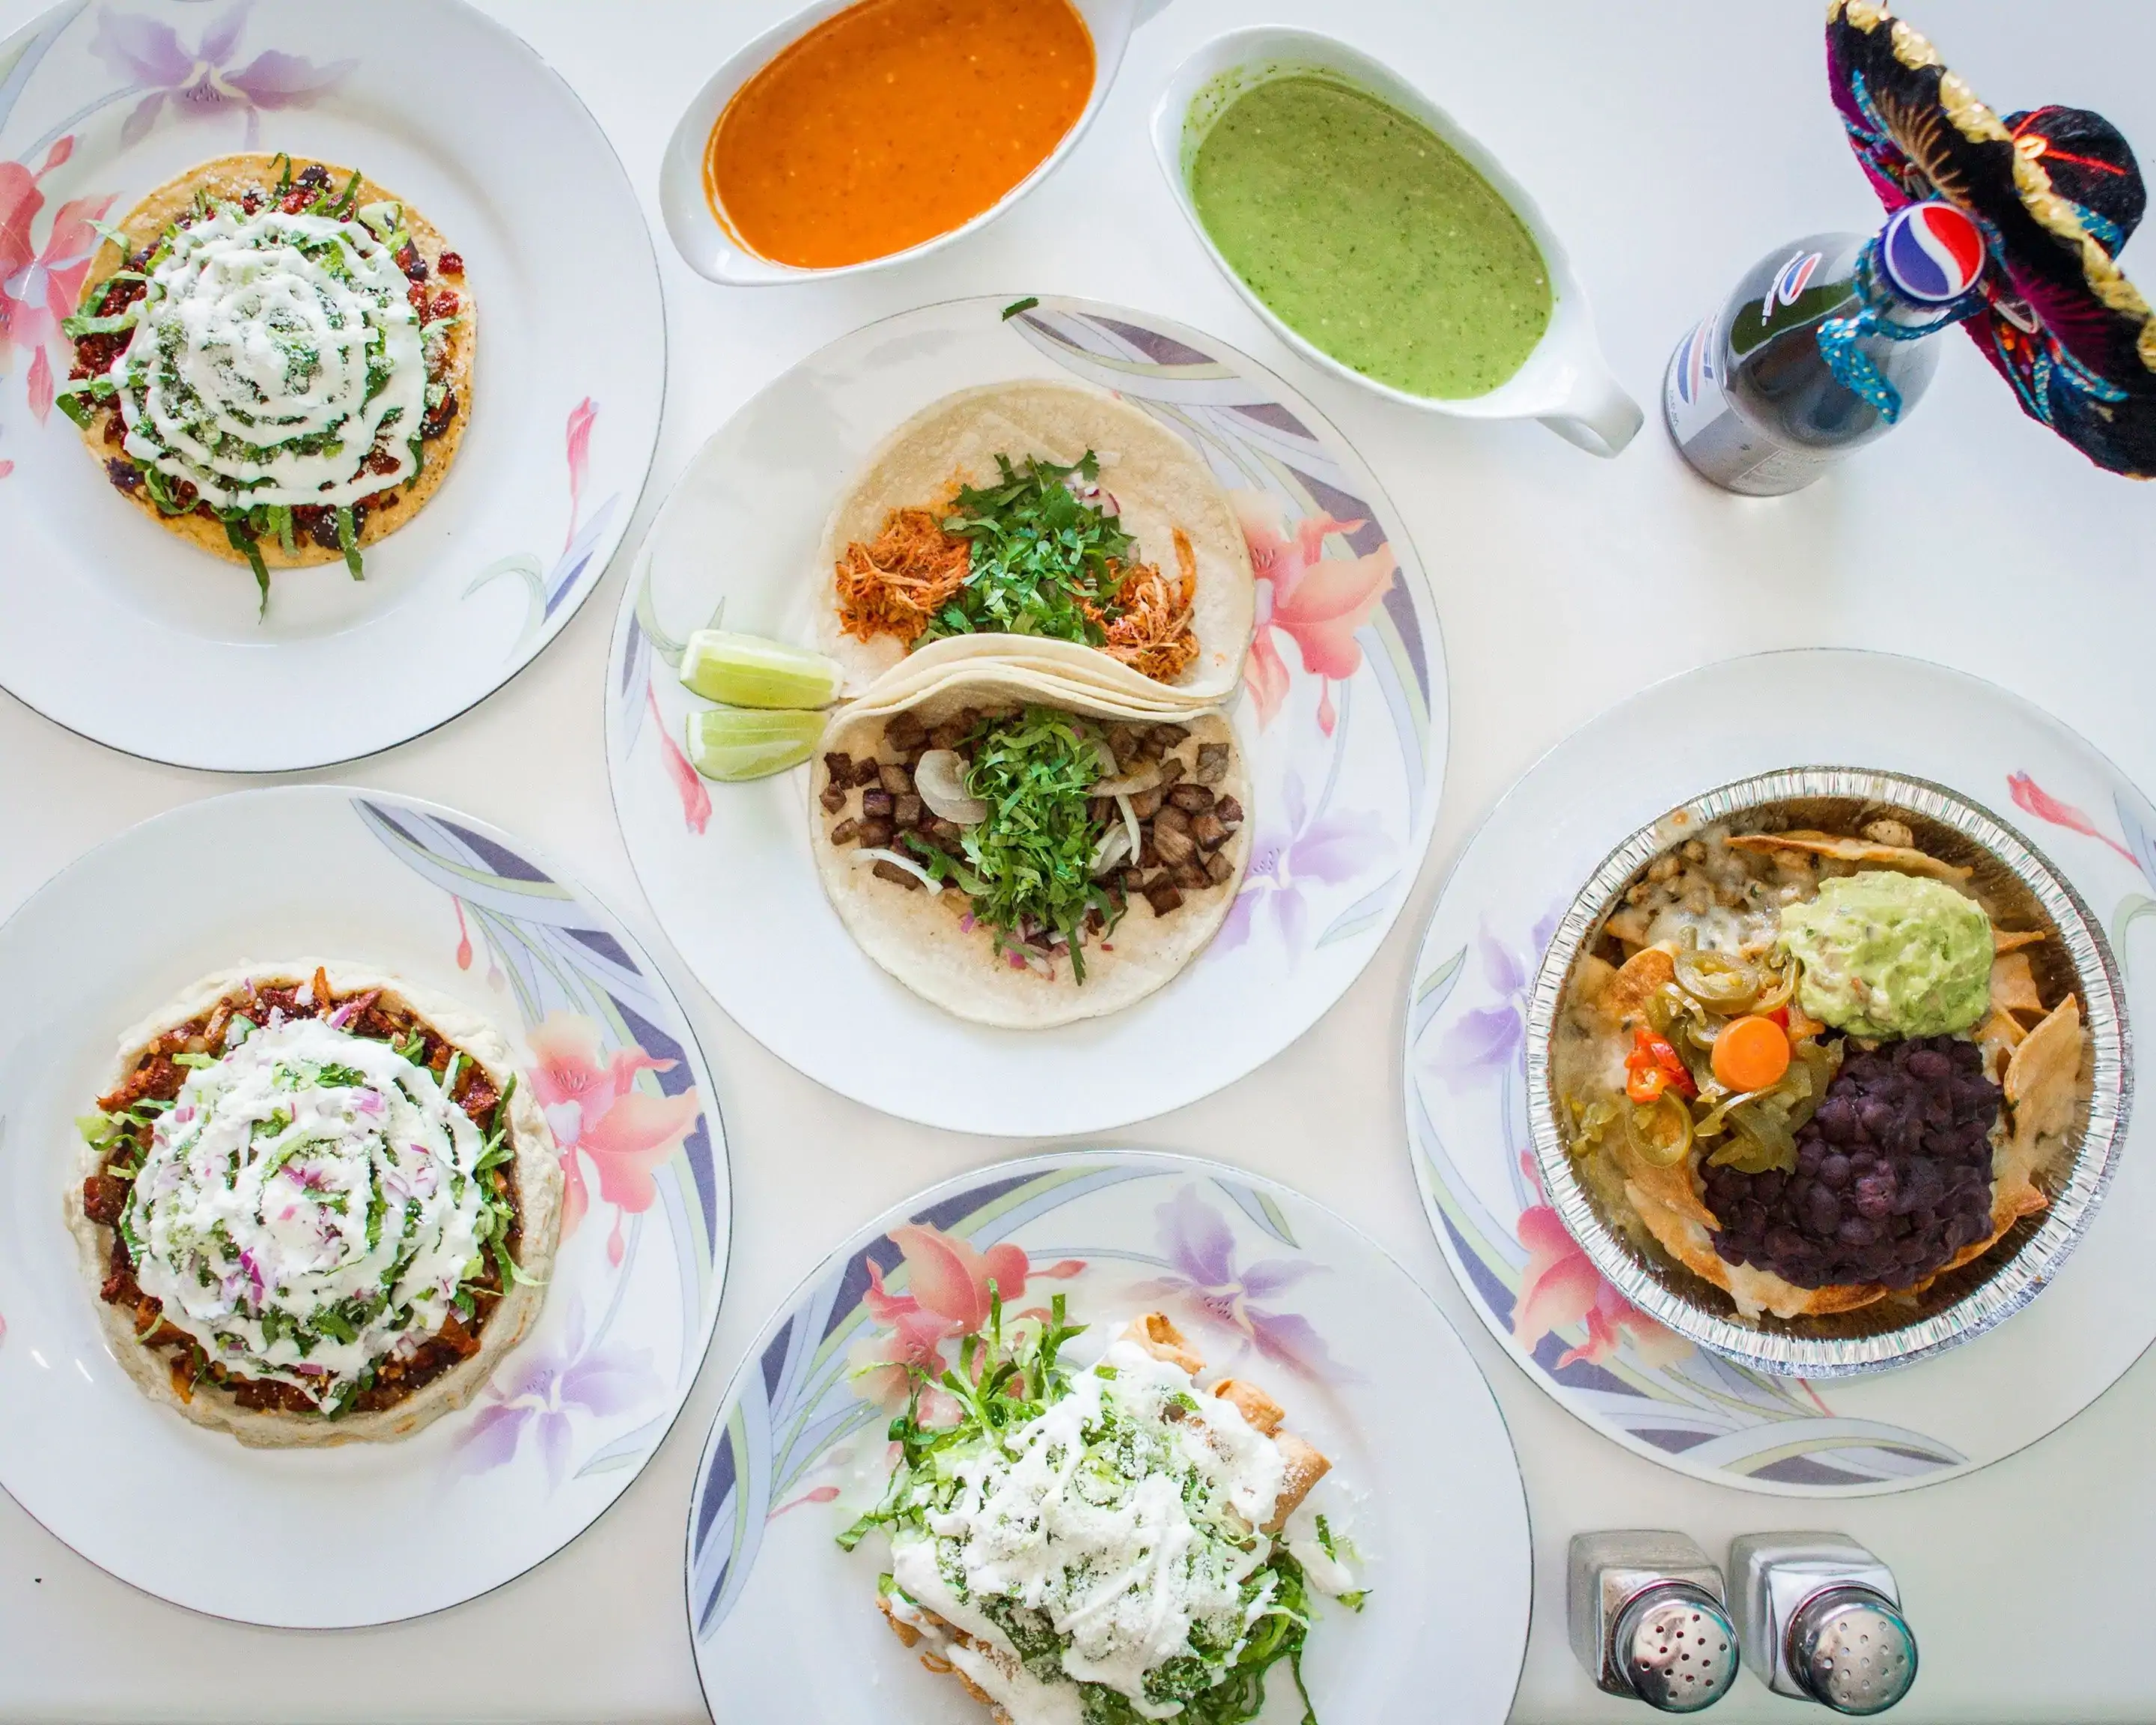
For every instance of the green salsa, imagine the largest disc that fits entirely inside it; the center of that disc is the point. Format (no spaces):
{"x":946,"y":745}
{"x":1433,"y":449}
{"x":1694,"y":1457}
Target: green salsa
{"x":1370,"y":237}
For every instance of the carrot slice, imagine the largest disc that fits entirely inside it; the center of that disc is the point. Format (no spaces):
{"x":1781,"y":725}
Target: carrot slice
{"x":1751,"y":1053}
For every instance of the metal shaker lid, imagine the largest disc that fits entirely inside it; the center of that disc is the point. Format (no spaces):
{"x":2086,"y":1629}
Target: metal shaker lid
{"x":1852,"y":1649}
{"x":1677,"y":1646}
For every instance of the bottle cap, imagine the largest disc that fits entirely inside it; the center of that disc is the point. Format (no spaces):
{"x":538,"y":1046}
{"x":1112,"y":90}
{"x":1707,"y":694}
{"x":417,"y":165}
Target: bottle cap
{"x":1852,"y":1650}
{"x":1677,"y":1648}
{"x":1933,"y":253}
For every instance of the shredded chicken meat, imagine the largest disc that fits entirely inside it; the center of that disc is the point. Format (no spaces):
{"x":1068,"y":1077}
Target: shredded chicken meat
{"x":895,"y":585}
{"x":1153,"y":633}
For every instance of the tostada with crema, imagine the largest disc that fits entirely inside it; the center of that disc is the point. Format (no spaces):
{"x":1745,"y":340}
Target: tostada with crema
{"x":273,"y":360}
{"x":315,"y":1205}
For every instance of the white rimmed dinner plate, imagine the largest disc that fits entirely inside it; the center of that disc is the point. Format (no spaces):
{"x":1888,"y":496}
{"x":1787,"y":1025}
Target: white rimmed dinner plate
{"x":125,"y":633}
{"x":1267,"y":1284}
{"x":1341,"y":719}
{"x":359,"y":1534}
{"x":1531,"y":1284}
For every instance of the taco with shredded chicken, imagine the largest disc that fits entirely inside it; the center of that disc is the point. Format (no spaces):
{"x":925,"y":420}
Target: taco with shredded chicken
{"x":1024,"y":856}
{"x":1043,"y":526}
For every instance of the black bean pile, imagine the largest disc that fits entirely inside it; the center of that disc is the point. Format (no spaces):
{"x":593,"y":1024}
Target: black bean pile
{"x":1893,"y":1174}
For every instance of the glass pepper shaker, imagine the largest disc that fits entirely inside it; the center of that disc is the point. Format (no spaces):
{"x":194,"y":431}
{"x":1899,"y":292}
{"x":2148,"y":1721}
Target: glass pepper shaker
{"x":1646,"y":1612}
{"x":1820,"y":1619}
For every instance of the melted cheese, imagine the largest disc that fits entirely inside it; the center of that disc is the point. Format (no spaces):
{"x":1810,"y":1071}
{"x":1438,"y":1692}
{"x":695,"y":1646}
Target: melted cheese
{"x":310,"y":1184}
{"x":270,"y":353}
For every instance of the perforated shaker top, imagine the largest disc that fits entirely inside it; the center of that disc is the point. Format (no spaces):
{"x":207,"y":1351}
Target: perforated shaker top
{"x":1853,"y":1651}
{"x":1677,"y":1647}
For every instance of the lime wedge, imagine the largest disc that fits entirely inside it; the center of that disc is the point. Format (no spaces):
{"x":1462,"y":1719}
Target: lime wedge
{"x":747,"y":670}
{"x":733,"y":743}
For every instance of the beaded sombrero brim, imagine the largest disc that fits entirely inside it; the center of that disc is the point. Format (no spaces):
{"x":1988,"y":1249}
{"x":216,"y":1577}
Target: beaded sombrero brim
{"x":2056,"y":192}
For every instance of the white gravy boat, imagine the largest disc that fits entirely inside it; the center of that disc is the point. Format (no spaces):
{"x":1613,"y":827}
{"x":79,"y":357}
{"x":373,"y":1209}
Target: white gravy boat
{"x":712,"y":251}
{"x":1565,"y":382}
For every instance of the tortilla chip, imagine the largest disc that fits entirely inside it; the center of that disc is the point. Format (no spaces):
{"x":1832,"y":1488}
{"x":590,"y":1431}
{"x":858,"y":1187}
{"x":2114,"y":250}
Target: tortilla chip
{"x":1591,"y":979}
{"x":2013,"y":985}
{"x":2010,"y":940}
{"x":1999,"y":1036}
{"x":1641,"y":976}
{"x":2042,"y":1077}
{"x":1898,"y":858}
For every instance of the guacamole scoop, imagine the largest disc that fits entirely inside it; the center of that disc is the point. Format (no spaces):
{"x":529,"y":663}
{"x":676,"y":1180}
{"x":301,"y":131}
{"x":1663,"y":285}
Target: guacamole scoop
{"x":1890,"y":955}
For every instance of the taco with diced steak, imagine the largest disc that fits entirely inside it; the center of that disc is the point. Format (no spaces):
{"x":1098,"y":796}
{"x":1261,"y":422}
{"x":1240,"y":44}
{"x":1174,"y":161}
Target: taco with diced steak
{"x":1026,"y":861}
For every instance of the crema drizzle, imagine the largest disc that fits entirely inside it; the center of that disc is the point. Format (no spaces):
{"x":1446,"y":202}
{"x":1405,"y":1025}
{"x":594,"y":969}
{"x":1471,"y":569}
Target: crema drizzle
{"x":308,"y":1206}
{"x":271,"y":352}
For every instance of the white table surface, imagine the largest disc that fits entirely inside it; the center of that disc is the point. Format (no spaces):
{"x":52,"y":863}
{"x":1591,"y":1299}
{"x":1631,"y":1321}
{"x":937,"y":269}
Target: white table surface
{"x":1670,"y":146}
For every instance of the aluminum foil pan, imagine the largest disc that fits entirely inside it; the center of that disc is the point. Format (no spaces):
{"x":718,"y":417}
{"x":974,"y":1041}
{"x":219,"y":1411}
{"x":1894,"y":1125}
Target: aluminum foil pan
{"x":1964,"y":1303}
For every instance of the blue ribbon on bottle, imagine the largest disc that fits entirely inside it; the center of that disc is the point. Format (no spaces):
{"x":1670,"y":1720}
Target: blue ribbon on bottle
{"x":1838,"y":337}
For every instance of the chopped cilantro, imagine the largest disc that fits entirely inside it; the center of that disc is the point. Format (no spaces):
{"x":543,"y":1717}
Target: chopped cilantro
{"x":1044,"y":561}
{"x":1028,"y":867}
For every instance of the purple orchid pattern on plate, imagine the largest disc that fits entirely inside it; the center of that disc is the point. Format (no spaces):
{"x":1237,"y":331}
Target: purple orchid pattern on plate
{"x":1296,"y":852}
{"x":205,"y":81}
{"x":1206,"y":1282}
{"x":539,"y":1389}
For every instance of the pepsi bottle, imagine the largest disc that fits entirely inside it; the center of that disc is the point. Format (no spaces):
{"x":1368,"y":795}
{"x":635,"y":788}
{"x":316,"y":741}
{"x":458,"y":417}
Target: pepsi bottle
{"x":1821,"y":350}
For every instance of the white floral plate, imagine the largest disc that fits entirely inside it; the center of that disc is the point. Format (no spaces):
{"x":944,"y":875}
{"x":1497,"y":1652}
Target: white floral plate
{"x":1466,"y":1107}
{"x":126,"y":633}
{"x":570,"y":1416}
{"x":1266,"y":1283}
{"x":1342,"y":719}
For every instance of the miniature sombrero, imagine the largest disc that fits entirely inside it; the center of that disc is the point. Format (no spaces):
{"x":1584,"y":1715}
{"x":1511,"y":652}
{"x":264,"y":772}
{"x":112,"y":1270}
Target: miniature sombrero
{"x":2057,"y":192}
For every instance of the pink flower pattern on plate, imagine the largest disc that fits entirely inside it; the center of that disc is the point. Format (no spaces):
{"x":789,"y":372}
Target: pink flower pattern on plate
{"x":947,"y":1281}
{"x":1560,"y":1286}
{"x":688,"y":782}
{"x":200,"y":83}
{"x":40,"y":283}
{"x":2033,"y":798}
{"x":598,"y":1113}
{"x":1316,"y":601}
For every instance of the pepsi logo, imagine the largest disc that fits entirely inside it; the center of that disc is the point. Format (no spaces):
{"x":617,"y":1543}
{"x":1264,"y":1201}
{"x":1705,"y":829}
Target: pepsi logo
{"x":1933,"y":252}
{"x":1790,"y":281}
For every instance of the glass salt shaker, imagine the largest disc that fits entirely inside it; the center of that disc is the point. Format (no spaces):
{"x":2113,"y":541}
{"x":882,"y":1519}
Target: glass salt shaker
{"x":1648,"y":1620}
{"x":1821,"y":1620}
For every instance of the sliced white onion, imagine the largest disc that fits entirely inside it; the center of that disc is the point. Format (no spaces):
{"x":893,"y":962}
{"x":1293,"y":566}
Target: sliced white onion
{"x":1114,"y":846}
{"x":940,"y":778}
{"x":1130,"y":826}
{"x":877,"y":854}
{"x":1146,"y":778}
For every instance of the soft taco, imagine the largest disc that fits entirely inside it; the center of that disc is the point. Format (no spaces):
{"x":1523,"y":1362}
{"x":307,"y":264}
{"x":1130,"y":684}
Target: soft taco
{"x":1024,"y":856}
{"x":273,"y":360}
{"x":1045,"y":526}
